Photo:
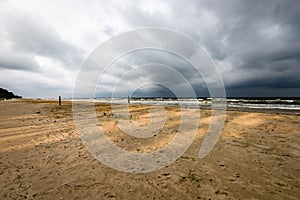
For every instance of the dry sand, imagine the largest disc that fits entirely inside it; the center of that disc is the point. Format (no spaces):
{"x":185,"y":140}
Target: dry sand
{"x":42,"y":157}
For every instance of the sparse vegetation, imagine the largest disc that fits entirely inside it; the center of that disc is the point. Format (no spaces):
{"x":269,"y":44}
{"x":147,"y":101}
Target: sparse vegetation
{"x":192,"y":176}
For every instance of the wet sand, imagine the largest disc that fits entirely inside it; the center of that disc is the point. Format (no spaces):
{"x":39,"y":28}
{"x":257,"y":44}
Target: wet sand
{"x":42,"y":156}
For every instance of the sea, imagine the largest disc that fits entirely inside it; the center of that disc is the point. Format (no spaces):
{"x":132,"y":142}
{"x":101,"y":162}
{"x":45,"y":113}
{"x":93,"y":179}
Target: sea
{"x":283,"y":104}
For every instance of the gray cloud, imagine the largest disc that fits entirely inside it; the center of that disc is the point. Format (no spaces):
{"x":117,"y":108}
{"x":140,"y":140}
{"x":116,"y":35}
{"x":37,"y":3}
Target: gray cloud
{"x":17,"y":61}
{"x":32,"y":36}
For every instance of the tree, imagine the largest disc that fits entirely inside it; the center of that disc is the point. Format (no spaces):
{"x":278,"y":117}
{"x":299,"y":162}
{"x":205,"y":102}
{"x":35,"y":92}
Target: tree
{"x":5,"y":94}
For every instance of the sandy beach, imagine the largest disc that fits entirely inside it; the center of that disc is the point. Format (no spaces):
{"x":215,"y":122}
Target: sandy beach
{"x":42,"y":156}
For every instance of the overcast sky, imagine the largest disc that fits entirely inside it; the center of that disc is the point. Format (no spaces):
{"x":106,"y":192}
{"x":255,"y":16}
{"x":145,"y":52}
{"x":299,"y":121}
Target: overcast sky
{"x":254,"y":44}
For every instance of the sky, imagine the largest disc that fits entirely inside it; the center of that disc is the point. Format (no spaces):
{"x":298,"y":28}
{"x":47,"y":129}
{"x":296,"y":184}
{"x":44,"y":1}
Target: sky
{"x":255,"y":46}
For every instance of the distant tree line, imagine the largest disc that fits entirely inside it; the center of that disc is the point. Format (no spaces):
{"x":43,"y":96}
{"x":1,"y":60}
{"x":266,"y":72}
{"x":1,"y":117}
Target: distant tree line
{"x":5,"y":94}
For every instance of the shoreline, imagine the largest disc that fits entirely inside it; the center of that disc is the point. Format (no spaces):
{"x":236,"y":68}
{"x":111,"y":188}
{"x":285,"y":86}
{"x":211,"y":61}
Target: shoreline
{"x":201,"y":107}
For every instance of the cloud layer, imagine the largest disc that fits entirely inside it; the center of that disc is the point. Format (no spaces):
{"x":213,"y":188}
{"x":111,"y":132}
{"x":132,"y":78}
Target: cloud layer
{"x":255,"y":44}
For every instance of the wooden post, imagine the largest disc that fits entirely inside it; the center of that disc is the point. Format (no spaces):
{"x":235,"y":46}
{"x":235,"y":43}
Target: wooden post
{"x":128,"y":100}
{"x":59,"y":100}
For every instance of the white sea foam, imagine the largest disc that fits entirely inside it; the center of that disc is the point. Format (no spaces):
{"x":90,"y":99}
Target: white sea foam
{"x":234,"y":103}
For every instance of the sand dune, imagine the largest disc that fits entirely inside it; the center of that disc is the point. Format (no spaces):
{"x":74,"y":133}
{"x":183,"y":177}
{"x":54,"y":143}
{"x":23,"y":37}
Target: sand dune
{"x":42,"y":156}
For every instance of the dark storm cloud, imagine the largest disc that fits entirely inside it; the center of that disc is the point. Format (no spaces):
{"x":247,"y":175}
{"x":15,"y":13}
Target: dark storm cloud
{"x":133,"y":73}
{"x":258,"y":42}
{"x":263,"y":43}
